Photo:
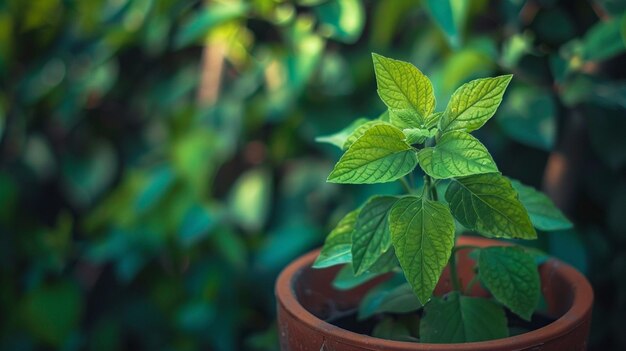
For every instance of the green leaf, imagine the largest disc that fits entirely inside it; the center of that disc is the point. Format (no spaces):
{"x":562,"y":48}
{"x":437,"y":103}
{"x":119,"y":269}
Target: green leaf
{"x":543,"y":213}
{"x":231,"y":247}
{"x":338,"y":139}
{"x":370,"y":237}
{"x":456,"y":154}
{"x":197,"y":223}
{"x":528,"y":115}
{"x":422,"y":233}
{"x":358,"y":132}
{"x":160,"y":182}
{"x":472,"y":104}
{"x":458,"y":319}
{"x":487,"y":203}
{"x":390,"y":329}
{"x":207,"y":19}
{"x":341,"y":19}
{"x":338,"y":245}
{"x":346,"y":279}
{"x":392,"y":296}
{"x":511,"y":276}
{"x":418,"y":135}
{"x":249,"y":199}
{"x":379,"y":156}
{"x":450,"y":16}
{"x":604,"y":40}
{"x":405,"y":90}
{"x":52,"y":312}
{"x":433,"y":119}
{"x":384,"y":116}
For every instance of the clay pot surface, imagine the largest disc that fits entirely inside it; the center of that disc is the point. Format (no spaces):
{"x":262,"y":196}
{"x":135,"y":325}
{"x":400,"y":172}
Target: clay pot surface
{"x":305,"y":297}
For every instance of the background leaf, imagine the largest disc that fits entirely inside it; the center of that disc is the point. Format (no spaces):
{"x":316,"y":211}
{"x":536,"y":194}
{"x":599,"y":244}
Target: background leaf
{"x":450,"y":16}
{"x":249,"y":199}
{"x":604,"y":40}
{"x":198,"y":25}
{"x":528,"y":115}
{"x":341,"y":19}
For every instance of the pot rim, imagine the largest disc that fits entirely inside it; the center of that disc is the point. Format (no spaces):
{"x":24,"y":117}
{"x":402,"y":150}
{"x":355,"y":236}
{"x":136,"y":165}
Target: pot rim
{"x":581,"y":306}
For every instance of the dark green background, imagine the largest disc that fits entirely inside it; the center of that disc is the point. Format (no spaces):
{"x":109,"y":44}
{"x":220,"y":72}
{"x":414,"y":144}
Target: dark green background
{"x":158,"y":165}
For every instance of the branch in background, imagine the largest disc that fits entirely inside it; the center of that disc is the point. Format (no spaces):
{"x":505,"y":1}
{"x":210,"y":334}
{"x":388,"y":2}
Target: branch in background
{"x":565,"y":164}
{"x":211,"y":76}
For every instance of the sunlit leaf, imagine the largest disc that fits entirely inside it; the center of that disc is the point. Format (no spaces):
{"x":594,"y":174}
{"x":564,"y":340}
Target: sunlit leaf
{"x":405,"y":90}
{"x":488,"y":204}
{"x":474,"y":103}
{"x":339,"y":139}
{"x":380,"y":155}
{"x":456,"y":154}
{"x":358,"y":132}
{"x":418,"y":135}
{"x":422,"y":232}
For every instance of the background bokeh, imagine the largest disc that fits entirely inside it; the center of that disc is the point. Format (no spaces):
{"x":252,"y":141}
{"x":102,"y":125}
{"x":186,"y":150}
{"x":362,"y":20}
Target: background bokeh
{"x":158,"y":165}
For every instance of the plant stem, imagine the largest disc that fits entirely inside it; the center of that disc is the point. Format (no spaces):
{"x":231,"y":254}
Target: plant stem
{"x":426,"y":192}
{"x":453,"y":273}
{"x":430,"y":186}
{"x":468,"y":288}
{"x":464,"y":247}
{"x":433,"y":190}
{"x":405,"y":185}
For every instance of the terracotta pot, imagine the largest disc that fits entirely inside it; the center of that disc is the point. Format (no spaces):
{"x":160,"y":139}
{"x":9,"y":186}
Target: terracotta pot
{"x":305,"y":297}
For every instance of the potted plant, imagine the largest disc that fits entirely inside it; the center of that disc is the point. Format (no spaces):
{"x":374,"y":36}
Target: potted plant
{"x":393,"y":275}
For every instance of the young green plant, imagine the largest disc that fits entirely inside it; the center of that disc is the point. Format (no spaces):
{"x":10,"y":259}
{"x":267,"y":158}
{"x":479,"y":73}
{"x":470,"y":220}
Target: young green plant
{"x":415,"y":233}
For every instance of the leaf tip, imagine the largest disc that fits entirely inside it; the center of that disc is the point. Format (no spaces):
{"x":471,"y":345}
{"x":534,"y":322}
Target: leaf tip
{"x":376,"y":56}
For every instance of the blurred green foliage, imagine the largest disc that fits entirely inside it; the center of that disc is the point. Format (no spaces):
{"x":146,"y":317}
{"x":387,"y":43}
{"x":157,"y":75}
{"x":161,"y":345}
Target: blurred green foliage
{"x":158,"y":165}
